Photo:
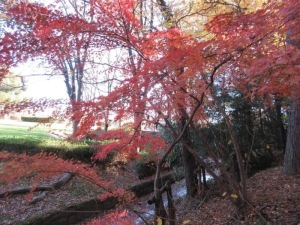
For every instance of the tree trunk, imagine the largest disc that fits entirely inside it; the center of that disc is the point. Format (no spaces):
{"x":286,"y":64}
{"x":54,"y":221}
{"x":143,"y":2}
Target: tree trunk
{"x":190,"y":166}
{"x":281,"y":132}
{"x":292,"y":151}
{"x":75,"y":124}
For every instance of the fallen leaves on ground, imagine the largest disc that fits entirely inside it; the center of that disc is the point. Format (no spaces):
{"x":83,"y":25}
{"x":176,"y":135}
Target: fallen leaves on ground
{"x":274,"y":198}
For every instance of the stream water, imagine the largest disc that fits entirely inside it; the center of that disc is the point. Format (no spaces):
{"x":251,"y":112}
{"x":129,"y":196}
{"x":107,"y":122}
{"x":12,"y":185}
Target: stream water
{"x":178,"y":191}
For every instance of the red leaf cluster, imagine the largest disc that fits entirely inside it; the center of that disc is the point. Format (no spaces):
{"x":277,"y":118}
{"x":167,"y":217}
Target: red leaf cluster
{"x":16,"y":166}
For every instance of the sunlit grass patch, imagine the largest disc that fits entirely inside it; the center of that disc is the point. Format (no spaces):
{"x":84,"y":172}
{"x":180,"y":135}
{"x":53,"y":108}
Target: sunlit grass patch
{"x":27,"y":137}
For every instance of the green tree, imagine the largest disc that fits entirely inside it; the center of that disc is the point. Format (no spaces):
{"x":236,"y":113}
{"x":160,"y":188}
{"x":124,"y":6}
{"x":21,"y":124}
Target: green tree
{"x":11,"y":88}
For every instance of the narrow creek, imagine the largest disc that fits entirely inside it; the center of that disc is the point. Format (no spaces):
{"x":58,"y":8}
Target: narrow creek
{"x":140,"y":211}
{"x":147,"y":211}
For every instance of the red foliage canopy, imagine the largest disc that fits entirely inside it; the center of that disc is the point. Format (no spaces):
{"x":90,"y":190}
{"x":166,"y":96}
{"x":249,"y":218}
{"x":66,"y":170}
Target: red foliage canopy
{"x":176,"y":71}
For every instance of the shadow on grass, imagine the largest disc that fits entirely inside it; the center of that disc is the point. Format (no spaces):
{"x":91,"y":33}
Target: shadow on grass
{"x":34,"y":145}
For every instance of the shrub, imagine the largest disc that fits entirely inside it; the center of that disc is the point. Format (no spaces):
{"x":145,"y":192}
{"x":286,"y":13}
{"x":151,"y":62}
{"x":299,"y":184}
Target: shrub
{"x":144,"y":169}
{"x":36,"y":119}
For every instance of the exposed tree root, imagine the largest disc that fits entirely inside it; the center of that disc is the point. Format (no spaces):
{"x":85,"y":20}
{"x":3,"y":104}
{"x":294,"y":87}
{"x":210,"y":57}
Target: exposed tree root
{"x":64,"y":178}
{"x":38,"y":198}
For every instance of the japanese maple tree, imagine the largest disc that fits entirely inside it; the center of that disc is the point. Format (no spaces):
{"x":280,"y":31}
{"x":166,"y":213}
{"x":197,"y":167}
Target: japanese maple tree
{"x":169,"y":75}
{"x":71,"y":40}
{"x":180,"y":71}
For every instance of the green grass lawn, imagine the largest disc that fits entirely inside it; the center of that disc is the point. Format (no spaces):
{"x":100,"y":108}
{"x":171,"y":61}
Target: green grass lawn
{"x":12,"y":131}
{"x":27,"y":133}
{"x":32,"y":138}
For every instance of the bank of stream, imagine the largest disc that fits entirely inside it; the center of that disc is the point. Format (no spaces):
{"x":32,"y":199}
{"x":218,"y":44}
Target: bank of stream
{"x":76,"y":213}
{"x":140,"y":211}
